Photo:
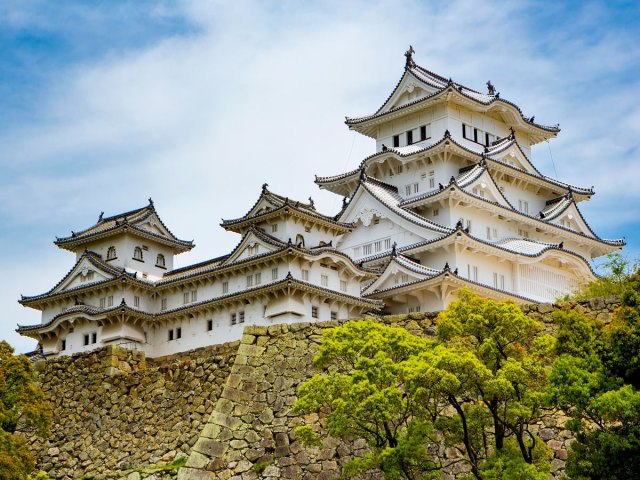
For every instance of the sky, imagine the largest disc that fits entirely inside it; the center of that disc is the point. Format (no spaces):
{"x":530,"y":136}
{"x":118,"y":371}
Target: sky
{"x":196,"y":104}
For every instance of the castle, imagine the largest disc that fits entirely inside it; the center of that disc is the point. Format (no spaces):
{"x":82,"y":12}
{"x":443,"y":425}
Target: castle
{"x":449,"y":200}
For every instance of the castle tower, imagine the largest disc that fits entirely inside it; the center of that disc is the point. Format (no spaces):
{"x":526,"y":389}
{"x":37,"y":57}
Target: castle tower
{"x":451,"y":199}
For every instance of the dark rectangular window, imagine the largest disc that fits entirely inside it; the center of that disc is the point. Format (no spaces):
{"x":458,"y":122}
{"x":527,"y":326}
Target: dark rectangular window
{"x":86,"y":339}
{"x":209,"y":325}
{"x":409,"y":137}
{"x":241,"y":317}
{"x":396,"y":140}
{"x":486,"y":139}
{"x":94,"y":337}
{"x":170,"y":335}
{"x":423,"y":132}
{"x":63,"y":345}
{"x":475,"y":134}
{"x":178,"y":332}
{"x":233,"y":319}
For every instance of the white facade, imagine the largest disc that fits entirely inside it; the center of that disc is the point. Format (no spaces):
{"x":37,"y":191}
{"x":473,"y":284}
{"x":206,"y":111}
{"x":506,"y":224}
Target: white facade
{"x":450,"y":199}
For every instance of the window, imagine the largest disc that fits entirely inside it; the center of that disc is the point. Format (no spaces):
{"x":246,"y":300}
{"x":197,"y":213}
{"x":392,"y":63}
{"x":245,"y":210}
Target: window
{"x":366,"y":249}
{"x":305,"y":275}
{"x":409,"y":137}
{"x":404,"y":278}
{"x":137,"y":254}
{"x":225,"y":287}
{"x":86,"y":340}
{"x":63,"y":344}
{"x":253,"y":250}
{"x":475,"y":274}
{"x":488,"y":233}
{"x":249,"y":280}
{"x":396,"y":140}
{"x":94,"y":337}
{"x":88,"y":277}
{"x":274,"y":273}
{"x":357,"y":252}
{"x":178,"y":333}
{"x":502,"y":282}
{"x":307,"y":229}
{"x":163,"y":304}
{"x":170,"y":335}
{"x":258,"y":278}
{"x":399,"y":169}
{"x":414,"y":309}
{"x":334,"y":315}
{"x":241,"y":317}
{"x":495,"y":232}
{"x":233,"y":319}
{"x":377,"y":246}
{"x":387,"y":243}
{"x":185,"y":297}
{"x":103,"y":302}
{"x":194,"y":295}
{"x":111,"y":253}
{"x":495,"y":280}
{"x":523,"y":206}
{"x":136,"y":301}
{"x":314,"y":312}
{"x":423,"y":176}
{"x":324,"y":280}
{"x":423,"y":132}
{"x":343,"y":285}
{"x":110,"y":301}
{"x":523,"y":233}
{"x":160,"y":261}
{"x":274,"y":228}
{"x":432,"y":183}
{"x":436,"y":212}
{"x":209,"y":325}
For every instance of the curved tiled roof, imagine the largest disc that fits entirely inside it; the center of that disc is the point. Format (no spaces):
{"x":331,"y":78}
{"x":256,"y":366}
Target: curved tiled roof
{"x":479,"y":155}
{"x":96,"y":260}
{"x":127,"y":220}
{"x":442,"y":85}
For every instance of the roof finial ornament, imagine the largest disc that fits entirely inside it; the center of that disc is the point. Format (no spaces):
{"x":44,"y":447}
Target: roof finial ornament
{"x":446,"y":266}
{"x":384,"y":148}
{"x":490,"y":88}
{"x":561,"y":245}
{"x":344,"y":202}
{"x":459,"y":225}
{"x":264,"y":187}
{"x":409,"y":54}
{"x":532,"y":119}
{"x":512,"y":135}
{"x":100,"y":217}
{"x":394,"y":251}
{"x":150,"y":201}
{"x":447,"y":133}
{"x":311,"y":202}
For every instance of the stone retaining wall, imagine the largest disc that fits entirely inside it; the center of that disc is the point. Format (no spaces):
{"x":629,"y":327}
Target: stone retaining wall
{"x":115,"y":410}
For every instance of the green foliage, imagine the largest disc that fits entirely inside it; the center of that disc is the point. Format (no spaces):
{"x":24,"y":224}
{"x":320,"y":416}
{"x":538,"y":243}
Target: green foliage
{"x":39,"y":476}
{"x":22,"y":409}
{"x":399,"y":392}
{"x":616,"y":272}
{"x":595,"y":379}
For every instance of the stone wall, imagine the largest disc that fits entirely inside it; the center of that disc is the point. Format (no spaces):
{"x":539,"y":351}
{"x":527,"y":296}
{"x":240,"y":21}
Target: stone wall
{"x":115,"y":410}
{"x":250,"y":435}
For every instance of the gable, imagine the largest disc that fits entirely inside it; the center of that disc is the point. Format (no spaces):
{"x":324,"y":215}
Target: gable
{"x":571,"y":218}
{"x":250,"y":246}
{"x":409,"y":89}
{"x":152,"y":224}
{"x":394,"y":274}
{"x":263,"y":205}
{"x":83,"y":273}
{"x":513,"y":156}
{"x":485,"y":187}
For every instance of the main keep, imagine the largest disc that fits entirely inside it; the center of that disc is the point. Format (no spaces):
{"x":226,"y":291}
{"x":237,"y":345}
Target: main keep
{"x":450,"y":199}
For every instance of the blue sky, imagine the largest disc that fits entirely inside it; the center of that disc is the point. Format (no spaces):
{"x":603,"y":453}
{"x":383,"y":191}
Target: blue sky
{"x":197,"y":103}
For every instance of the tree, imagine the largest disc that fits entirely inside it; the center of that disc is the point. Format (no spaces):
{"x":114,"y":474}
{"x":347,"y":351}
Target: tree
{"x":615,"y":274}
{"x":22,"y":409}
{"x":595,"y":379}
{"x":477,"y":389}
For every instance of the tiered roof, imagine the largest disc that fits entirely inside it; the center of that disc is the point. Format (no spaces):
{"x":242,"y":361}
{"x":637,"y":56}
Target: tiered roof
{"x":143,"y":222}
